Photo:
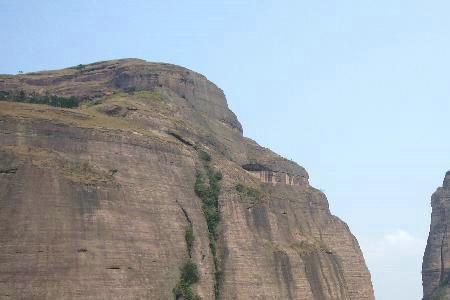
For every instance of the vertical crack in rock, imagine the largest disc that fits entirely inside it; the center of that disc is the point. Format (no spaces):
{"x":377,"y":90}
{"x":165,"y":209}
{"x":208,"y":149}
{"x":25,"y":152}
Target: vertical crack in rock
{"x":444,"y":237}
{"x":311,"y":262}
{"x":283,"y":263}
{"x":340,"y":277}
{"x":190,"y":226}
{"x":327,"y":282}
{"x":189,"y":271}
{"x":185,"y":213}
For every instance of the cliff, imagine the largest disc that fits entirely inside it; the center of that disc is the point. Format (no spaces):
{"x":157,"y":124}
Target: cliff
{"x":145,"y":188}
{"x":436,"y":260}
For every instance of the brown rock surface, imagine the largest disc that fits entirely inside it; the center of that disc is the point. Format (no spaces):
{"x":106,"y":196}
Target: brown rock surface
{"x":95,"y":201}
{"x":436,"y":260}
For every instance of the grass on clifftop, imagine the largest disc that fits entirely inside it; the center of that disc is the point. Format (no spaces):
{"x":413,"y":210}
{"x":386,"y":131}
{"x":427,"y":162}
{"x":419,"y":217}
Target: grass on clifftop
{"x":153,"y":97}
{"x":83,"y":118}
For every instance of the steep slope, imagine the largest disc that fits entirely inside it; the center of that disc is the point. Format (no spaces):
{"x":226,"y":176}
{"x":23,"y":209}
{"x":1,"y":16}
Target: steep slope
{"x":148,"y":182}
{"x":436,"y":260}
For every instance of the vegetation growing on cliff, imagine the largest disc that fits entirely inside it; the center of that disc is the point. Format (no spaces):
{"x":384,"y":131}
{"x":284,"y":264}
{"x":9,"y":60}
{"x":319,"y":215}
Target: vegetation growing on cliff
{"x":305,"y":248}
{"x":52,"y":100}
{"x":210,"y":198}
{"x":204,"y":156}
{"x":441,"y":291}
{"x":80,"y":67}
{"x":189,"y":272}
{"x":189,"y":276}
{"x":190,"y":238}
{"x":209,"y":193}
{"x":247,"y":192}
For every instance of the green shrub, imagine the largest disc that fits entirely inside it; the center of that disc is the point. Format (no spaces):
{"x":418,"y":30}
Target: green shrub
{"x":4,"y":95}
{"x":210,"y":198}
{"x":185,"y":290}
{"x":239,"y":188}
{"x":214,"y":191}
{"x":130,"y":90}
{"x":201,"y":190}
{"x":204,"y":156}
{"x":217,"y":280}
{"x":189,"y":275}
{"x":212,"y":217}
{"x":190,"y":238}
{"x":80,"y":67}
{"x":218,"y":176}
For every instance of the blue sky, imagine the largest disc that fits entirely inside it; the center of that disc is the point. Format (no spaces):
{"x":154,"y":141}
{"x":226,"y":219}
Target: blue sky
{"x":355,"y":91}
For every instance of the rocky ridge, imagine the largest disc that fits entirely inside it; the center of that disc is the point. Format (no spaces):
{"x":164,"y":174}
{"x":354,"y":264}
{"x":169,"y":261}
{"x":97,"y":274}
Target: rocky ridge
{"x":436,"y":260}
{"x":148,"y":189}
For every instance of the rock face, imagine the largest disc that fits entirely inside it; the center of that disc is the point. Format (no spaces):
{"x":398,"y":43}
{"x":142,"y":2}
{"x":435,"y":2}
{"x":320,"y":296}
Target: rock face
{"x":112,"y":199}
{"x":436,"y":260}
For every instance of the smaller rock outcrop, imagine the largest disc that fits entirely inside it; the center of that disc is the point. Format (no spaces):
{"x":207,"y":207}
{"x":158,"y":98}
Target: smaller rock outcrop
{"x":436,"y":260}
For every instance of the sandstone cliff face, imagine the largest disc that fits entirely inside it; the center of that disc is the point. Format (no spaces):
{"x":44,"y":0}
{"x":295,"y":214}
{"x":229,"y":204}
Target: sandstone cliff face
{"x":436,"y":260}
{"x":97,"y":202}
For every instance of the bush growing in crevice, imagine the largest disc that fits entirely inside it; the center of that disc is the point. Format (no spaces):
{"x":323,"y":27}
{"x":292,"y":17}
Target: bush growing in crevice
{"x":190,"y":238}
{"x":189,"y":272}
{"x":189,"y":275}
{"x":210,"y":198}
{"x":217,"y":281}
{"x":204,"y":156}
{"x":209,"y":194}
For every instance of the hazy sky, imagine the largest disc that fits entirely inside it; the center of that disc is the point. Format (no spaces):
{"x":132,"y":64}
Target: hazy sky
{"x":355,"y":91}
